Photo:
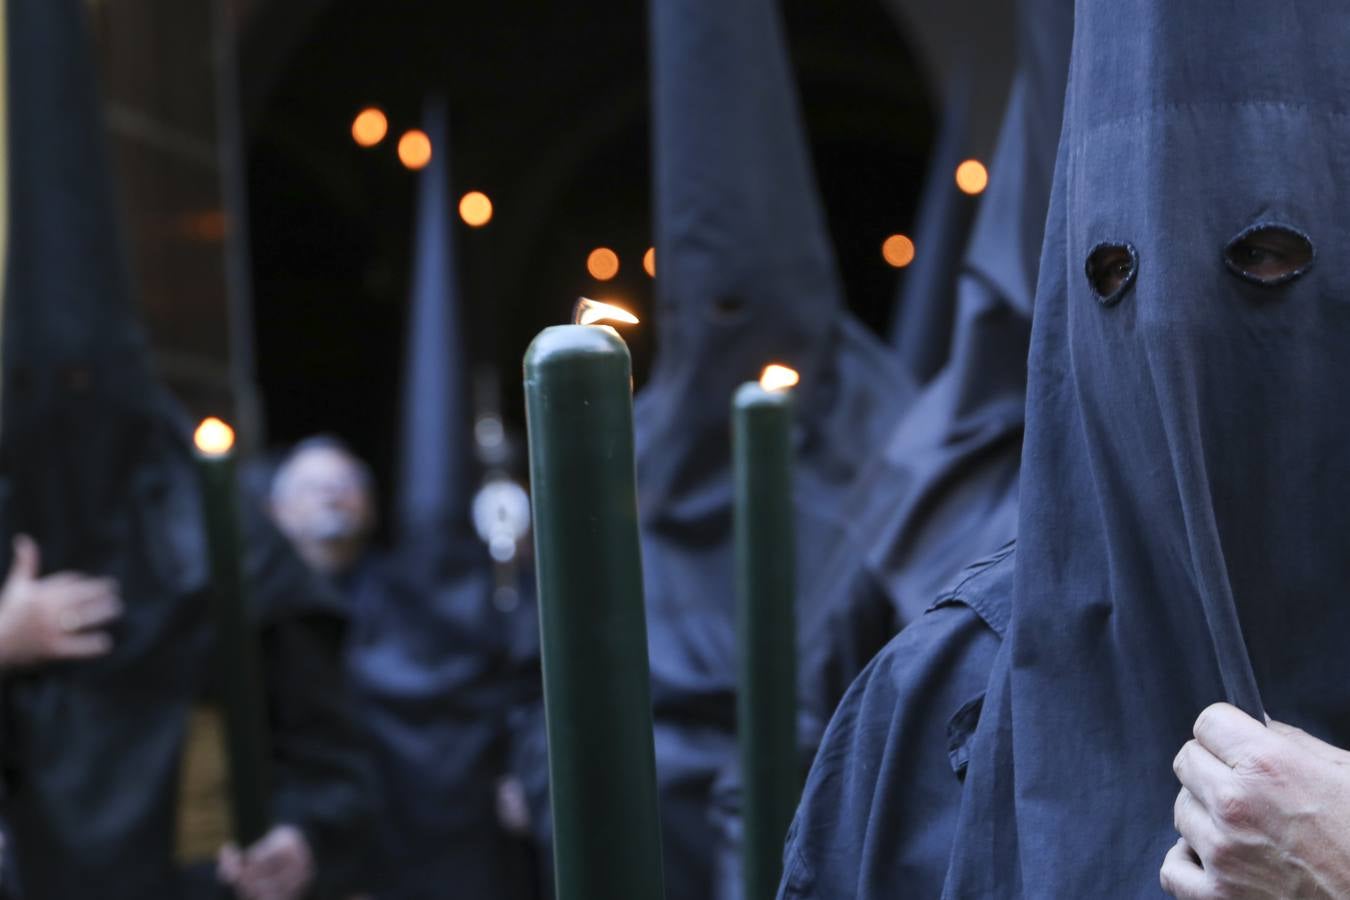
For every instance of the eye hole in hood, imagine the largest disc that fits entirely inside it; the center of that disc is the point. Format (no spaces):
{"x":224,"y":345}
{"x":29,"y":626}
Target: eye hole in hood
{"x":1111,"y":269}
{"x":1269,"y":255}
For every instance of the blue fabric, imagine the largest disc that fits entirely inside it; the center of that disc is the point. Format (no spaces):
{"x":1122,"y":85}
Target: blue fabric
{"x":435,"y":477}
{"x":943,"y":488}
{"x":746,"y":277}
{"x":1182,"y":538}
{"x":881,"y":802}
{"x":925,"y":313}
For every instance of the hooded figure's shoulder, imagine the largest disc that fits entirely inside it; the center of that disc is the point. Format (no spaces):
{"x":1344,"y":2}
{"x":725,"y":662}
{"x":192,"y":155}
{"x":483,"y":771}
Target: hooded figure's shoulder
{"x":881,"y":801}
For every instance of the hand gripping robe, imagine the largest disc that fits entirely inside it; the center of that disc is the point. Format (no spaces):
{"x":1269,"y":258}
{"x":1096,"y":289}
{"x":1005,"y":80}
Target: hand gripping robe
{"x":746,"y":278}
{"x":95,"y":464}
{"x":943,"y":489}
{"x":1184,"y":533}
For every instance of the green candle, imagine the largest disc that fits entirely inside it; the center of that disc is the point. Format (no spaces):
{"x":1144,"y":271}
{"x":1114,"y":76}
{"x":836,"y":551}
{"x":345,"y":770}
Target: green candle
{"x":766,"y":626}
{"x":597,"y":696}
{"x":238,"y":676}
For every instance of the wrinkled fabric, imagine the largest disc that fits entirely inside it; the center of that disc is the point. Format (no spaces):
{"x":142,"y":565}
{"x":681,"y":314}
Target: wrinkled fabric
{"x":747,"y":278}
{"x":436,"y":682}
{"x":1182,"y":538}
{"x":881,"y":802}
{"x":95,"y":465}
{"x":943,"y":488}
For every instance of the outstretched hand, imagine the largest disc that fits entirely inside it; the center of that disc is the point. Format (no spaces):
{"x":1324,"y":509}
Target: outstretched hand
{"x":62,"y":616}
{"x":1263,"y":812}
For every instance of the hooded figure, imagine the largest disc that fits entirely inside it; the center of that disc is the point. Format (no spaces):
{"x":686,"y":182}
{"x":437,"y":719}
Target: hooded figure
{"x":943,"y":490}
{"x":431,"y":657}
{"x":921,"y":328}
{"x":1182,"y":538}
{"x":95,"y":465}
{"x":747,"y":278}
{"x":880,"y":805}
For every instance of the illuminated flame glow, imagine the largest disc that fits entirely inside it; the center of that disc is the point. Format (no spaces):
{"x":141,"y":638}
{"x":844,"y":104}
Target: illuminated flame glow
{"x":778,"y":378}
{"x":414,"y":149}
{"x":593,"y":312}
{"x":972,"y":177}
{"x":649,"y":261}
{"x":475,"y":208}
{"x":602,"y":264}
{"x":369,"y":127}
{"x":213,"y":437}
{"x":898,"y":250}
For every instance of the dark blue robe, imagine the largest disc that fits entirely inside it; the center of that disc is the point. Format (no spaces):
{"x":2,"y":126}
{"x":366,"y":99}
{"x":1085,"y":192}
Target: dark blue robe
{"x":880,"y":804}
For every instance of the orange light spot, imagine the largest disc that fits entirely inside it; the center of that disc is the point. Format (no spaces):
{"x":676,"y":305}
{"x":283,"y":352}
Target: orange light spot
{"x":213,"y":437}
{"x":649,"y":261}
{"x":414,"y":149}
{"x":972,"y":177}
{"x":369,"y":127}
{"x":602,"y":263}
{"x":898,"y":250}
{"x":475,"y":209}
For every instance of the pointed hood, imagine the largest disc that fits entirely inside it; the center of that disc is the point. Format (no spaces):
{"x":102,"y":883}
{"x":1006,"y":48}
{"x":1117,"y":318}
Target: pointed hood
{"x":921,"y":328}
{"x":435,"y":464}
{"x":943,"y":488}
{"x":746,"y":273}
{"x":81,"y":413}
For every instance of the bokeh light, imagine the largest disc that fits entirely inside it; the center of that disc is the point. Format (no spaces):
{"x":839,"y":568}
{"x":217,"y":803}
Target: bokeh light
{"x":475,"y":209}
{"x":972,"y":177}
{"x":649,"y":261}
{"x":602,"y":263}
{"x":369,"y":127}
{"x":414,"y":149}
{"x":898,"y":250}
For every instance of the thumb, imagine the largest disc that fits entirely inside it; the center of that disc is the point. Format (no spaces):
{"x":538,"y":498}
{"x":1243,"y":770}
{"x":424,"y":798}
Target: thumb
{"x":27,"y":560}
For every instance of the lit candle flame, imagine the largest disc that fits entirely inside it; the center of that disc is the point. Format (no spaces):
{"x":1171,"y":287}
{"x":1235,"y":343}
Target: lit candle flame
{"x":778,"y":378}
{"x":592,"y":312}
{"x":213,"y":437}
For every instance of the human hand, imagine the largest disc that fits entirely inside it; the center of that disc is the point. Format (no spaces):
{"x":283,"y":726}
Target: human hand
{"x":1263,"y":812}
{"x":280,"y":866}
{"x":62,"y":616}
{"x":513,"y":810}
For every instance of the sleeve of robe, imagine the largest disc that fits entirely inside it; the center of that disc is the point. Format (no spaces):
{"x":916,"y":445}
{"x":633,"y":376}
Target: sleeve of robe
{"x":879,"y":808}
{"x":320,"y":774}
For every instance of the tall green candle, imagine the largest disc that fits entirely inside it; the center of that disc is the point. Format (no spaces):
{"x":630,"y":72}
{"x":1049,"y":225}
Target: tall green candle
{"x":238,"y":676}
{"x":597,"y":696}
{"x":766,"y":625}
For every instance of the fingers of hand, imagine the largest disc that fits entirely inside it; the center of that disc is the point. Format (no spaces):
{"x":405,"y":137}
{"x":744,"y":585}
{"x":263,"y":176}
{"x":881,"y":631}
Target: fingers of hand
{"x":1231,"y":735}
{"x":229,"y":864}
{"x":1212,"y":783}
{"x":1181,"y":875}
{"x":27,"y":559}
{"x":82,"y":645}
{"x":1195,"y":826}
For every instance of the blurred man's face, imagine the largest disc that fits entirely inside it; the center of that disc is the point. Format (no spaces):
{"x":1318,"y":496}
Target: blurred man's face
{"x":323,"y":502}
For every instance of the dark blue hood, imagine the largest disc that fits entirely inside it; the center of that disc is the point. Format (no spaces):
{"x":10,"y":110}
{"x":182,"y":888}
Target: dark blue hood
{"x":1182,"y":538}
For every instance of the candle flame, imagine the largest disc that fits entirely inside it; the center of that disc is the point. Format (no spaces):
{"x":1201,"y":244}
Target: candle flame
{"x":213,"y":437}
{"x":778,"y":378}
{"x":591,"y":312}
